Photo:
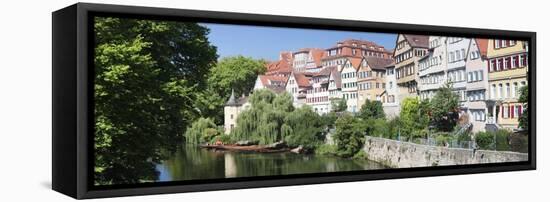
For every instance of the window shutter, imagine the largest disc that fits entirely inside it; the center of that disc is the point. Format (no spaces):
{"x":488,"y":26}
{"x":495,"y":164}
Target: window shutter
{"x":512,"y":111}
{"x":502,"y":111}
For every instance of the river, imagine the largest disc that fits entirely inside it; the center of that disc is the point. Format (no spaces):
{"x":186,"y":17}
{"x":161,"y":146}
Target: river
{"x":191,"y":163}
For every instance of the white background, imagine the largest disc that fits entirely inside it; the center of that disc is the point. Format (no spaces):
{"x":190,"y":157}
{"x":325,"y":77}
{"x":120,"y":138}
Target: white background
{"x":25,"y":100}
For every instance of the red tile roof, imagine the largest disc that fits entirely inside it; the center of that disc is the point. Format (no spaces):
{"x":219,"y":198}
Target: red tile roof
{"x":302,"y":80}
{"x":278,"y":67}
{"x":268,"y":80}
{"x":482,"y":45}
{"x":355,"y":62}
{"x":318,"y":54}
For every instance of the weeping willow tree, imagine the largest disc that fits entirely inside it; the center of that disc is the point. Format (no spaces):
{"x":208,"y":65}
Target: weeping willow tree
{"x":201,"y":131}
{"x":264,"y":121}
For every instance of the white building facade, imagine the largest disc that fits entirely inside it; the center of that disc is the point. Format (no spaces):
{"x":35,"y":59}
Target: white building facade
{"x":432,"y":69}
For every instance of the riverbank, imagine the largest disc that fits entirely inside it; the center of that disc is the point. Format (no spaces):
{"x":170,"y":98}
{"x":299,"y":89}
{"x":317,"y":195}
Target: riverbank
{"x":249,"y":148}
{"x":397,"y":154}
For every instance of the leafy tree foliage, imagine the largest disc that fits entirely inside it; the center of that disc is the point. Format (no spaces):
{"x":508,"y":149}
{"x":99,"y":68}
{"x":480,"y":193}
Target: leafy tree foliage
{"x":236,"y":73}
{"x":349,"y":136}
{"x":203,"y":130}
{"x":338,"y":105}
{"x":146,"y":76}
{"x":305,"y":127}
{"x":372,"y":110}
{"x":413,"y":117}
{"x":524,"y":98}
{"x":264,"y":120}
{"x":444,"y":109}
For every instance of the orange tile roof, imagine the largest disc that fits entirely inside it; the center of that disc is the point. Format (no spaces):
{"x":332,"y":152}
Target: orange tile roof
{"x":301,"y":79}
{"x":270,"y":79}
{"x":482,"y":45}
{"x":280,"y":66}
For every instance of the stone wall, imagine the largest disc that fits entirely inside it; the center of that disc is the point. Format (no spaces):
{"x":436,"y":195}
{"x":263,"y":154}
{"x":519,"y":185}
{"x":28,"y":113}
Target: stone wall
{"x":398,"y":154}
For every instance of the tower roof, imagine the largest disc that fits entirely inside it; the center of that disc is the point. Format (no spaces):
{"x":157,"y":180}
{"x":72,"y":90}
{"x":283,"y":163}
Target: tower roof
{"x":231,"y":101}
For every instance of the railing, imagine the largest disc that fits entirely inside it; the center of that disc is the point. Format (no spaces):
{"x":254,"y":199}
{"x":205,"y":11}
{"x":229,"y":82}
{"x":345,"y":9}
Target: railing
{"x":433,"y":142}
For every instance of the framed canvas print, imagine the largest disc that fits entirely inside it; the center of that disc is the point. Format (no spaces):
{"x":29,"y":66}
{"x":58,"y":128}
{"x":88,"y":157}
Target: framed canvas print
{"x":155,"y":100}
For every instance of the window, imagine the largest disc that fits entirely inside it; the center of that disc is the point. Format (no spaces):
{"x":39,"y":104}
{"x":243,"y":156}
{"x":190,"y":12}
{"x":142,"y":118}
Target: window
{"x":500,"y":91}
{"x":493,"y":91}
{"x":507,"y":63}
{"x":463,"y":54}
{"x":452,"y":56}
{"x":523,"y":60}
{"x":506,"y":112}
{"x":499,"y":64}
{"x":497,"y":43}
{"x":512,"y":43}
{"x":492,"y":65}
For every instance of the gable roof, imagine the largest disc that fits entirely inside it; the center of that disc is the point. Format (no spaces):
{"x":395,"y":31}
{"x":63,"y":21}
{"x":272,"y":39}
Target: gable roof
{"x":336,"y":76}
{"x":317,"y":55}
{"x":268,"y":80}
{"x":280,"y":66}
{"x":482,"y":45}
{"x":417,"y":41}
{"x":378,"y":63}
{"x":301,"y":79}
{"x":325,"y":71}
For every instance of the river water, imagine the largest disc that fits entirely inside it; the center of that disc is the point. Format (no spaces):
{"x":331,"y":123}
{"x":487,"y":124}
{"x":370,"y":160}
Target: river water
{"x":191,"y":163}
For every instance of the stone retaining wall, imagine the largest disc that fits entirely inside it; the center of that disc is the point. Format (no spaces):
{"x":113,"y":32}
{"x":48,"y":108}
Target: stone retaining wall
{"x":397,"y":154}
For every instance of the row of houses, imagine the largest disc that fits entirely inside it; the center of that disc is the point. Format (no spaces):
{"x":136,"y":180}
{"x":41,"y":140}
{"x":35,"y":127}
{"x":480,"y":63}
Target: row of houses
{"x":486,"y":74}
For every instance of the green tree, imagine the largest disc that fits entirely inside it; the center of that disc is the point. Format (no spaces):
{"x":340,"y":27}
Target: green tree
{"x":236,"y":73}
{"x":372,"y":110}
{"x":264,"y":120}
{"x":305,"y":128}
{"x":444,"y":109}
{"x":413,"y":117}
{"x":349,"y":135}
{"x":524,"y":99}
{"x":201,"y":131}
{"x":338,"y":105}
{"x":147,"y":74}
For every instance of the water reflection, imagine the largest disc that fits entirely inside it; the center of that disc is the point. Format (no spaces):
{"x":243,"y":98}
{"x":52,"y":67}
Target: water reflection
{"x":195,"y":163}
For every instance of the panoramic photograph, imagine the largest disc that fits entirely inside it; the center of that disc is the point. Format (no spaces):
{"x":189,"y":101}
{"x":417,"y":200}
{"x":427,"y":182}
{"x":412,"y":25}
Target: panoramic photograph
{"x":181,"y":101}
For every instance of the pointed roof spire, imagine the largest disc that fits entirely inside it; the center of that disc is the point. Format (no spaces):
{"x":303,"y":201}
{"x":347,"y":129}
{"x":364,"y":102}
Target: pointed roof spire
{"x":231,"y":101}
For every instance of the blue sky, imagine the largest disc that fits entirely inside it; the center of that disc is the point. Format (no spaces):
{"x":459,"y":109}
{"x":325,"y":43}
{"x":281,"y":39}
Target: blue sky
{"x":266,"y":42}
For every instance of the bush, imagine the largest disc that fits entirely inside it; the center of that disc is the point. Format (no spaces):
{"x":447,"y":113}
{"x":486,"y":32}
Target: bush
{"x":327,"y":149}
{"x":225,"y":139}
{"x":484,"y":140}
{"x":503,"y":140}
{"x":360,"y":155}
{"x":443,"y":139}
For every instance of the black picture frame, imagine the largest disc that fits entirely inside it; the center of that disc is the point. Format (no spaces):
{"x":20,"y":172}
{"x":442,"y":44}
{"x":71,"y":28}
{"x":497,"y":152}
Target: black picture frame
{"x":72,"y":103}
